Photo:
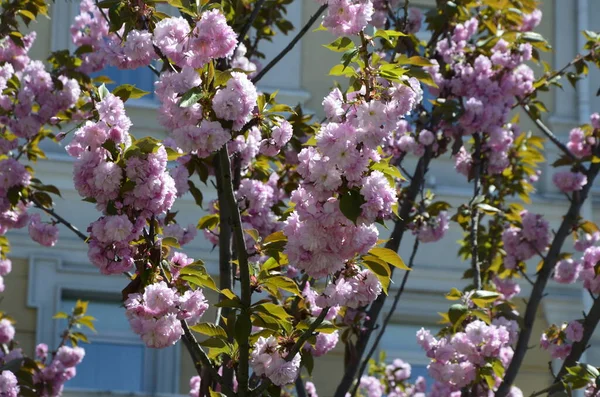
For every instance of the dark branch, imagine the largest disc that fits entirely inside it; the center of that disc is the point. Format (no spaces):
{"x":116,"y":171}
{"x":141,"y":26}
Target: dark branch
{"x":387,"y":319}
{"x":59,"y":219}
{"x":477,"y":163}
{"x":250,"y":21}
{"x":549,"y":133}
{"x":569,"y":221}
{"x":291,"y":45}
{"x":394,"y":244}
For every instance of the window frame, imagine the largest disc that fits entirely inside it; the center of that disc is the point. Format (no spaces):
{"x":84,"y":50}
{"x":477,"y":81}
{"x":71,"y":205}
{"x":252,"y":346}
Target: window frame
{"x":50,"y":278}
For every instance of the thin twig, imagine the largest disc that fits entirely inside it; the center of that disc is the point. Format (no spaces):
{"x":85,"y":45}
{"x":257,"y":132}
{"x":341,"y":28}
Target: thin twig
{"x":393,"y":243}
{"x":589,"y":326}
{"x":291,"y":45}
{"x":250,"y":21}
{"x":387,"y":319}
{"x":548,"y":133}
{"x":551,"y":77}
{"x":59,"y":218}
{"x":569,"y":221}
{"x":475,"y":265}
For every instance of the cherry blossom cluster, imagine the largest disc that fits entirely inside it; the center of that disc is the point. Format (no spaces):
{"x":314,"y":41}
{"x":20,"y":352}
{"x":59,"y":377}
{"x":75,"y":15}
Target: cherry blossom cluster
{"x":30,"y":98}
{"x":256,"y":200}
{"x":8,"y":381}
{"x":392,"y":380}
{"x":90,"y":28}
{"x":347,"y":17}
{"x":9,"y":386}
{"x":457,"y":358}
{"x":432,"y":229}
{"x":156,"y":313}
{"x":195,"y":382}
{"x":37,"y":100}
{"x":13,"y":177}
{"x":507,"y":287}
{"x":269,"y":359}
{"x":558,"y":340}
{"x":320,"y":237}
{"x":354,"y":288}
{"x":128,"y":192}
{"x":382,"y":8}
{"x":582,"y":143}
{"x":52,"y":378}
{"x":571,"y":270}
{"x":488,"y":85}
{"x":522,"y":243}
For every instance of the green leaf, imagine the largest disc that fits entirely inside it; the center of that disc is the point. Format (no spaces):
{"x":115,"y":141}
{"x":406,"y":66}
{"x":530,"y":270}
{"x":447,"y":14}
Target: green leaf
{"x":326,"y":327}
{"x":416,"y":61}
{"x":253,"y":233}
{"x":103,"y":92}
{"x":389,"y":256}
{"x":272,"y":310}
{"x":307,"y":361}
{"x":229,"y":293}
{"x":60,"y":315}
{"x":191,"y":97}
{"x":350,"y":204}
{"x":285,"y":283}
{"x":342,"y":70}
{"x":341,"y":44}
{"x":127,"y":91}
{"x":80,"y":308}
{"x":87,"y":321}
{"x":274,"y":237}
{"x":488,"y":209}
{"x":454,"y":294}
{"x":380,"y":269}
{"x":196,"y":193}
{"x":170,"y":242}
{"x":388,"y":169}
{"x":483,"y":298}
{"x":208,"y":221}
{"x":457,"y":313}
{"x":209,"y":329}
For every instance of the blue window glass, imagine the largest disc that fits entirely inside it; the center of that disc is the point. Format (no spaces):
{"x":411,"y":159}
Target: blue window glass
{"x":110,"y":366}
{"x":116,"y":358}
{"x":143,"y":78}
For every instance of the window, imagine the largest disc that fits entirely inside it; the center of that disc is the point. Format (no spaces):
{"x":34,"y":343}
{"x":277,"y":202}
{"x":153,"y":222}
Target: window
{"x":124,"y":360}
{"x":143,"y":78}
{"x":116,"y":359}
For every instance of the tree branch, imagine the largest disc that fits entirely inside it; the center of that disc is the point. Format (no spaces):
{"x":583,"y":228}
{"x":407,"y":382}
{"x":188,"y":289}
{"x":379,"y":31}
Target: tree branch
{"x":200,"y":358}
{"x":242,"y":256}
{"x":59,"y":219}
{"x":300,"y":388}
{"x":569,"y":221}
{"x":475,"y":265}
{"x":291,"y":45}
{"x":250,"y":21}
{"x":394,"y":244}
{"x":548,"y":133}
{"x":589,"y":326}
{"x":387,"y":319}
